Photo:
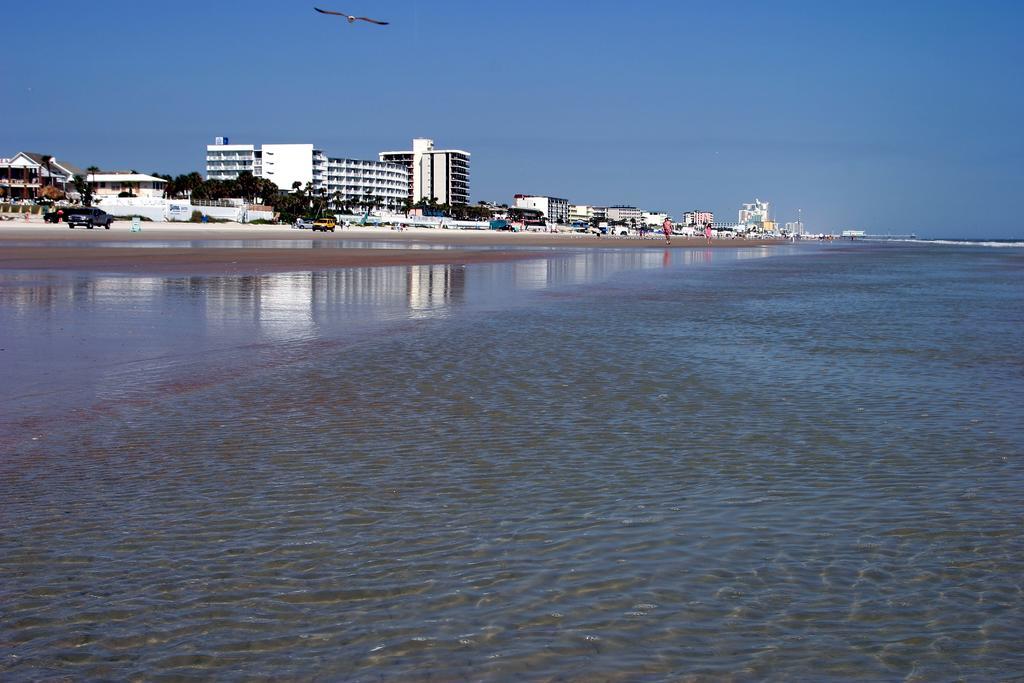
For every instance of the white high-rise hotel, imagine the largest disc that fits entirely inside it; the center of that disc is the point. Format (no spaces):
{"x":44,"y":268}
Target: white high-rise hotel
{"x":285,"y":165}
{"x":442,"y":174}
{"x":422,"y":173}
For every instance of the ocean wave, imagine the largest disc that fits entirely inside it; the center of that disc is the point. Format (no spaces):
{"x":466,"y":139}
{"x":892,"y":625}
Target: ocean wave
{"x":966,"y":243}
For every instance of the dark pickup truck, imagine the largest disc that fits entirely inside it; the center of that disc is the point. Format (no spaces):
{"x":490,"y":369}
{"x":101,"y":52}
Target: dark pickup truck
{"x":90,"y":218}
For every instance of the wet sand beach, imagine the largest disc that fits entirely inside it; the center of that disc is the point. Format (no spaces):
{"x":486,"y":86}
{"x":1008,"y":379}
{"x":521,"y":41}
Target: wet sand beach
{"x":36,"y":245}
{"x":229,"y":260}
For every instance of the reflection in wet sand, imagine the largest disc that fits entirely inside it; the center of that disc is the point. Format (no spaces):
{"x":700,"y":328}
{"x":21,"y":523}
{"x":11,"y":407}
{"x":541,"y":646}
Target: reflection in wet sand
{"x":78,"y":339}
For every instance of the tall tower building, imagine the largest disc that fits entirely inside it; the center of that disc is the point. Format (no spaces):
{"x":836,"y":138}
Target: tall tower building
{"x":434,"y":173}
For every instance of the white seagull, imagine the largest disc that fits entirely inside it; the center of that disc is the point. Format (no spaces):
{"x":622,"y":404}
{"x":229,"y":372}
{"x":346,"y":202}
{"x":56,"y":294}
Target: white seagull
{"x":351,"y":19}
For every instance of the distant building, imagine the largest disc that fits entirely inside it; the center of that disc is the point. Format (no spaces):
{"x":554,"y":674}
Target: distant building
{"x":794,"y":228}
{"x":441,"y":174}
{"x":654,"y":218}
{"x":138,"y":184}
{"x":625,"y":214}
{"x":585,"y":213}
{"x":698,"y":217}
{"x":754,"y":212}
{"x":25,"y":174}
{"x":527,"y":217}
{"x":580,"y":213}
{"x":555,"y":209}
{"x":498,"y":211}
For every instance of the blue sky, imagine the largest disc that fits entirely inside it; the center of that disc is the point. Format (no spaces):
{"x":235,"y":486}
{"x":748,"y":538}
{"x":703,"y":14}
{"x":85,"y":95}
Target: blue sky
{"x":885,"y":116}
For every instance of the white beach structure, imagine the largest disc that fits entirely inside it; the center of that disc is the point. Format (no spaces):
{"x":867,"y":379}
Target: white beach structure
{"x":115,"y":183}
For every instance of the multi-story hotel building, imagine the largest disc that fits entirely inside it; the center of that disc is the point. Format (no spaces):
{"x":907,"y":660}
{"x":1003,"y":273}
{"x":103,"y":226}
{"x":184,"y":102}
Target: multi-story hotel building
{"x":357,"y":179}
{"x":555,"y":209}
{"x":441,"y":174}
{"x":225,"y":161}
{"x":584,"y":213}
{"x":285,"y":165}
{"x":698,"y":217}
{"x":580,"y":213}
{"x":624,"y":213}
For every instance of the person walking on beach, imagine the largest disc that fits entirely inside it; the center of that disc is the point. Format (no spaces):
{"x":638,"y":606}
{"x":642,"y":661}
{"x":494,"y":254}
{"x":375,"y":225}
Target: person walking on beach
{"x":666,"y":227}
{"x":707,"y":233}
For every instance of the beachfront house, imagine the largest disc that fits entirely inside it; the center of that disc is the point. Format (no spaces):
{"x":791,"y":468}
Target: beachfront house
{"x":24,"y":175}
{"x":115,"y":183}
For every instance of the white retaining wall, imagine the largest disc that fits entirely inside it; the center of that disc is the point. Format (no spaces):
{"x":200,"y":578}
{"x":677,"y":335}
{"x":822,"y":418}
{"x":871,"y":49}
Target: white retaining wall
{"x":173,"y":209}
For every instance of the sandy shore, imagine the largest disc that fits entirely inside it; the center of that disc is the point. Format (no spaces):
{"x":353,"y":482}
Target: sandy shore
{"x":235,"y":260}
{"x":38,"y":245}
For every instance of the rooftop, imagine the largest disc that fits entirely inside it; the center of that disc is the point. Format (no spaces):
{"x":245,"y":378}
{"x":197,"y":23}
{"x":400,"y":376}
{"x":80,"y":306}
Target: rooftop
{"x":124,"y":178}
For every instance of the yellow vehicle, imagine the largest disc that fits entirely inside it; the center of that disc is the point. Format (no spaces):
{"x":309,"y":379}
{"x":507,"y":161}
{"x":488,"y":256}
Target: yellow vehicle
{"x":325,"y":224}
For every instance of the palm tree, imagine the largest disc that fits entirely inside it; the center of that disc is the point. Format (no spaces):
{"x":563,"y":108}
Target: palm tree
{"x":92,"y":171}
{"x":247,"y":186}
{"x":47,"y":160}
{"x":195,"y":181}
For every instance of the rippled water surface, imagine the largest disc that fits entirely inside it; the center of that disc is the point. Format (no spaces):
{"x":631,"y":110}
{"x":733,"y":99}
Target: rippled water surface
{"x":783,"y":464}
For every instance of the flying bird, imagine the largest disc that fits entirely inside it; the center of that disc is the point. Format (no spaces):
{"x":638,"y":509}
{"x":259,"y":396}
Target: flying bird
{"x":351,"y":19}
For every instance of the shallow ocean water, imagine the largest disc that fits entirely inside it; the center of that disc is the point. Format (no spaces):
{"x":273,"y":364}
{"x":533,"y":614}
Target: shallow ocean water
{"x":787,"y":463}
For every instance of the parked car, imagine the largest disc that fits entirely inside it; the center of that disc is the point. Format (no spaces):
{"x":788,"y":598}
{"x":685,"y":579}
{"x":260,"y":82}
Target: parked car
{"x":303,"y":224}
{"x":325,"y":224}
{"x":89,"y":217}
